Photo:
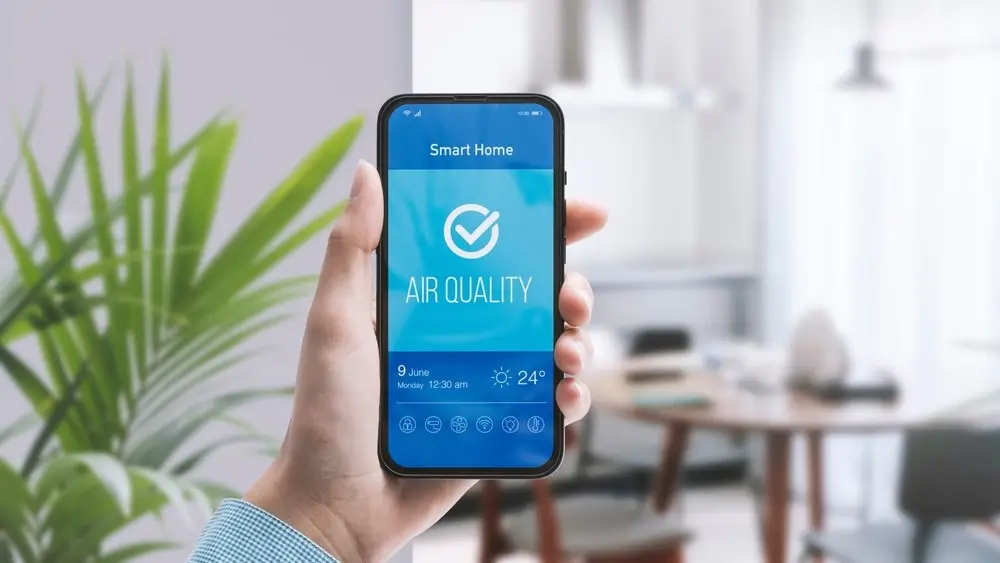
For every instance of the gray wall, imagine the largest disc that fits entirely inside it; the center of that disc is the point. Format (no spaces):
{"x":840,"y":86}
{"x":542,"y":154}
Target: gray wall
{"x":291,"y":70}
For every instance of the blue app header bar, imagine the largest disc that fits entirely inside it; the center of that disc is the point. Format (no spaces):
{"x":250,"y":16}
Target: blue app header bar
{"x":468,"y":136}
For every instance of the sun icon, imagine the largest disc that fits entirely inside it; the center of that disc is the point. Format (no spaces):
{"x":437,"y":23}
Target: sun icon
{"x":501,"y":377}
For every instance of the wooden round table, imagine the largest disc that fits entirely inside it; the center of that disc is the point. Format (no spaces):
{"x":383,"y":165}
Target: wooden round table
{"x":777,"y":416}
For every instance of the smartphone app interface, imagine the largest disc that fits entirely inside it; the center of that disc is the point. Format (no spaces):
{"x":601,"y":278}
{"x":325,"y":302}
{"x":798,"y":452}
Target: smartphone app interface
{"x":470,"y":310}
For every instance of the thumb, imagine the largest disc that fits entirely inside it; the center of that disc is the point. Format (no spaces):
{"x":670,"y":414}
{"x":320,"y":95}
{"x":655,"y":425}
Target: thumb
{"x":345,"y":282}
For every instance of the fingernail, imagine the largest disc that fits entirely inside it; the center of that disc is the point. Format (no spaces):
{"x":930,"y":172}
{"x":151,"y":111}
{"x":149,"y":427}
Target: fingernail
{"x":359,"y":178}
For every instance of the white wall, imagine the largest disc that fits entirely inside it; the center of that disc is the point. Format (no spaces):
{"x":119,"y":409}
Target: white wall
{"x":679,"y":185}
{"x":291,"y":70}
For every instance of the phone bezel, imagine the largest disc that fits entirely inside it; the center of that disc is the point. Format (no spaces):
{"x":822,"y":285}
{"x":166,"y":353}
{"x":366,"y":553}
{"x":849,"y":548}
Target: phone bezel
{"x":559,"y":263}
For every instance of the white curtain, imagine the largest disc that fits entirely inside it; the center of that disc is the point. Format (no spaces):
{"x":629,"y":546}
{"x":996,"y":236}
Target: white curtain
{"x":884,"y":208}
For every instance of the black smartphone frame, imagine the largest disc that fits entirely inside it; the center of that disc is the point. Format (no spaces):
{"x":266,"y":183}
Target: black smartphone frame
{"x":558,"y":265}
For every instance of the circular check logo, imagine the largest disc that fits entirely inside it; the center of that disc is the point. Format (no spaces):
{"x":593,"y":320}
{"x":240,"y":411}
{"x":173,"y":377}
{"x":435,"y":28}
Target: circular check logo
{"x":489,"y":223}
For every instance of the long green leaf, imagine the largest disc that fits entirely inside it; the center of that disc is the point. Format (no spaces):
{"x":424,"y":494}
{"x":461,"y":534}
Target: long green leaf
{"x":188,"y":379}
{"x":30,"y":274}
{"x":117,"y":319}
{"x":237,"y":280}
{"x":47,"y":224}
{"x":61,"y":183}
{"x":111,"y":473}
{"x":53,"y":421}
{"x":98,"y":352}
{"x":8,"y":183}
{"x":173,"y":392}
{"x":228,"y":316}
{"x":69,"y":160}
{"x":19,"y":297}
{"x":160,"y":205}
{"x":135,"y":278}
{"x":156,"y":449}
{"x":172,"y":490}
{"x":198,"y":206}
{"x":193,"y":460}
{"x":16,"y":497}
{"x":72,"y":435}
{"x":27,"y":381}
{"x":21,"y":424}
{"x":273,"y":215}
{"x":80,"y":518}
{"x":293,"y":242}
{"x":16,"y":503}
{"x":84,"y":517}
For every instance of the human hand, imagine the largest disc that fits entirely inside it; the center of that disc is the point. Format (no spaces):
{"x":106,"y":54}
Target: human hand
{"x":327,"y":481}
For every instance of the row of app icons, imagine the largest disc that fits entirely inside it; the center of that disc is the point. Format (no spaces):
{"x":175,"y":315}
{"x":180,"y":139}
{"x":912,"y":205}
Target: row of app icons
{"x":460,"y":424}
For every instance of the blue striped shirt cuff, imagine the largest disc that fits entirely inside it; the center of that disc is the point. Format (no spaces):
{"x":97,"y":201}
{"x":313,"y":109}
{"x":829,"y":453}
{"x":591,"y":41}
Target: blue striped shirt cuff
{"x":240,"y":532}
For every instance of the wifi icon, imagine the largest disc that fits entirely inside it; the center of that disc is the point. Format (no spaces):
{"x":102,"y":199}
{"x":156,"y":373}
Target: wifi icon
{"x":407,"y":112}
{"x":484,"y":424}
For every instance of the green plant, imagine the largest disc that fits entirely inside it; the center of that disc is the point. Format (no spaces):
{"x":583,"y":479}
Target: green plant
{"x":133,"y":331}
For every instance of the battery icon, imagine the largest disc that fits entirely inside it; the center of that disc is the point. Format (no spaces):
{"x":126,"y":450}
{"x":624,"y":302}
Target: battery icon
{"x":536,"y":113}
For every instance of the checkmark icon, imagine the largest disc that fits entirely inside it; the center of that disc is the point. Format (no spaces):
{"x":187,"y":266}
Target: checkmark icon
{"x":475,"y":235}
{"x":489,"y":224}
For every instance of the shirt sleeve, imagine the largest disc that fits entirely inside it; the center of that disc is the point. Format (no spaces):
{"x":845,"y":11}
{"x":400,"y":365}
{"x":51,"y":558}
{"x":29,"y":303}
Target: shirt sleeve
{"x":239,"y":532}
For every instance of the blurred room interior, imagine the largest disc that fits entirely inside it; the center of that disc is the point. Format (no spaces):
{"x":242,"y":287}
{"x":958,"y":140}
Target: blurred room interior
{"x":801,"y":192}
{"x":797,"y":320}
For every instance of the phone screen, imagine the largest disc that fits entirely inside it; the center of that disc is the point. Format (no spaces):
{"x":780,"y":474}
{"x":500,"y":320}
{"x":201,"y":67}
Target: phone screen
{"x":471,"y":250}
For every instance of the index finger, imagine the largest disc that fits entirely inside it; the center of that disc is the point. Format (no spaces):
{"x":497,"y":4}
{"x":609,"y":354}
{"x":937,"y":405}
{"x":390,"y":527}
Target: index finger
{"x":582,"y":220}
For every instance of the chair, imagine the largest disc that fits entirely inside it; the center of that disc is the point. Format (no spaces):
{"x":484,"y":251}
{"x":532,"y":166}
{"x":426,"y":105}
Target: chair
{"x":950,"y":479}
{"x":633,"y":475}
{"x":594,"y":528}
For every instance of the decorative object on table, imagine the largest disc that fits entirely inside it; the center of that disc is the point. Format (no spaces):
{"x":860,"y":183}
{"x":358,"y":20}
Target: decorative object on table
{"x":747,"y":366}
{"x":640,"y":376}
{"x":670,"y":399}
{"x":133,"y":328}
{"x":658,"y":340}
{"x":881,"y":387}
{"x":817,"y":354}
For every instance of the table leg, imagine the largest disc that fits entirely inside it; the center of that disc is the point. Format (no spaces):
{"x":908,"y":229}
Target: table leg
{"x":814,"y":445}
{"x":490,"y":537}
{"x":776,"y":497}
{"x":667,"y":480}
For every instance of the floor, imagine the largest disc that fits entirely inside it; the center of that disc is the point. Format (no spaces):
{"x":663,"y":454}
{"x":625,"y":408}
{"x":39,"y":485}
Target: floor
{"x":723,"y":520}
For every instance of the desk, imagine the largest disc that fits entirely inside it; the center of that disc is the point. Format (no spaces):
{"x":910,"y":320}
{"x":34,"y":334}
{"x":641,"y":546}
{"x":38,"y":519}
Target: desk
{"x":777,"y":416}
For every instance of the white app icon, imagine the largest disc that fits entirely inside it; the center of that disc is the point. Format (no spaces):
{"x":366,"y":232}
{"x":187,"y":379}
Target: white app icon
{"x":509,"y":424}
{"x":484,"y":424}
{"x":459,"y":424}
{"x":489,"y":223}
{"x":536,"y":424}
{"x":407,"y":424}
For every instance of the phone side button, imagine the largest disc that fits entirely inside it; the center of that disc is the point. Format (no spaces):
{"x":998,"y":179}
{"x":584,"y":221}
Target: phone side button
{"x":565,"y":178}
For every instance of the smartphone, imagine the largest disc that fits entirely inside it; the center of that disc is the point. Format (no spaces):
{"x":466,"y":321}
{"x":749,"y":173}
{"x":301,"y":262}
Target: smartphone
{"x":470,"y":265}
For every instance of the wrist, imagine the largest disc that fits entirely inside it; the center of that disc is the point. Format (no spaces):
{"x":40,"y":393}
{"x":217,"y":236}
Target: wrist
{"x":307,"y":516}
